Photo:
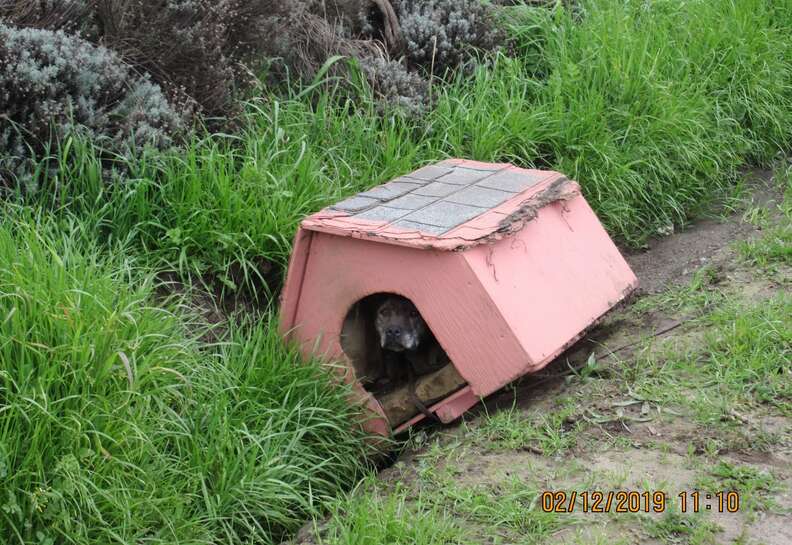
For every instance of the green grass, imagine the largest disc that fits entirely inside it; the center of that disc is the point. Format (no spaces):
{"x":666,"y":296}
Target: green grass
{"x":437,"y":491}
{"x":741,"y":358}
{"x":512,"y":510}
{"x":674,"y":528}
{"x":652,"y":110}
{"x":755,"y":487}
{"x":774,"y":247}
{"x":509,"y":507}
{"x":512,"y":429}
{"x":693,"y":298}
{"x":741,"y":361}
{"x":118,"y":426}
{"x":366,"y":517}
{"x":725,"y":367}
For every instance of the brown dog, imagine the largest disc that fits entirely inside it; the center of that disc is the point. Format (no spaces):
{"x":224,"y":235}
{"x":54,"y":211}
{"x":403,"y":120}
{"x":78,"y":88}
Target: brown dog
{"x":399,"y":324}
{"x":409,"y":348}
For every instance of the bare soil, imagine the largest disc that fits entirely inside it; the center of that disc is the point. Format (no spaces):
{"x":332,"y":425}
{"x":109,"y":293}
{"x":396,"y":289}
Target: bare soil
{"x":673,"y":259}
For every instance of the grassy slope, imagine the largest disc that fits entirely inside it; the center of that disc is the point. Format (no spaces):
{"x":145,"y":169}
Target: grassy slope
{"x":652,"y":110}
{"x":118,"y":425}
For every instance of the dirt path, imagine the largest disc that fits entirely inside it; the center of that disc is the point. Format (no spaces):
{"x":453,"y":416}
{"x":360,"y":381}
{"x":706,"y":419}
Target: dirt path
{"x":672,"y":260}
{"x":696,"y":408}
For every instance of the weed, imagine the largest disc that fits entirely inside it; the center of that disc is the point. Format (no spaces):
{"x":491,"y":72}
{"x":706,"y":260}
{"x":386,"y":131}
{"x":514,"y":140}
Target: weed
{"x":674,"y":527}
{"x":514,"y":430}
{"x":448,"y":513}
{"x":513,"y":508}
{"x":750,"y":347}
{"x":774,"y":247}
{"x":754,"y":486}
{"x":742,"y":360}
{"x":364,"y":517}
{"x":698,"y":295}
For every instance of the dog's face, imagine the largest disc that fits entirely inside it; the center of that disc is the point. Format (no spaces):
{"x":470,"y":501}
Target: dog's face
{"x":399,"y":324}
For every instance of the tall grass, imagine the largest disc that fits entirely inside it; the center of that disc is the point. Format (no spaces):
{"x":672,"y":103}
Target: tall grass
{"x":653,"y":107}
{"x":403,"y":517}
{"x":118,"y":426}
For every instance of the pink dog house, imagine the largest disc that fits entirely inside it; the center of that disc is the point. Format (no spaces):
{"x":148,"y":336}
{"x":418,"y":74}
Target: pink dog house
{"x":507,"y":266}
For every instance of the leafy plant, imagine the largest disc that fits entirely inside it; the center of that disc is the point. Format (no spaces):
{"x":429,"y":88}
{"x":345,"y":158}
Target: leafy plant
{"x":53,"y":84}
{"x":441,"y":35}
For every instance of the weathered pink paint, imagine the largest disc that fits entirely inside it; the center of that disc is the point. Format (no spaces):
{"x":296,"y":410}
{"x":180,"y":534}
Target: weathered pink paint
{"x":504,"y":294}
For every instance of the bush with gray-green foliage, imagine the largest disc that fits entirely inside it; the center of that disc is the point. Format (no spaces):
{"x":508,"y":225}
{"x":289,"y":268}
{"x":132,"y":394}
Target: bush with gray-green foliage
{"x":395,"y":87}
{"x":53,"y":84}
{"x":443,"y":34}
{"x":201,"y":52}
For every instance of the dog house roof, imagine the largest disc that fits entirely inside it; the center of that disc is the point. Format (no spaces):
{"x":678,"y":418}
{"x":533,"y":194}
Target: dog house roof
{"x":450,"y":205}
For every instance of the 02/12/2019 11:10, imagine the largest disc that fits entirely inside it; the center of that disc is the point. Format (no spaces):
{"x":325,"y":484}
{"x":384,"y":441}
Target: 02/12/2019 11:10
{"x":634,"y":501}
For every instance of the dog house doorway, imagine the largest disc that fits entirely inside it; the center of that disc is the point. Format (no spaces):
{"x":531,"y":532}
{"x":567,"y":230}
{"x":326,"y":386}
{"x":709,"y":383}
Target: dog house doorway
{"x":396,"y":357}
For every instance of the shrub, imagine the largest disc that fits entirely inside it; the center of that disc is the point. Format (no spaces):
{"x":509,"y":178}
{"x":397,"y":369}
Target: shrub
{"x":441,"y":34}
{"x":395,"y":87}
{"x":303,"y":40}
{"x":53,"y":84}
{"x":193,"y":49}
{"x":203,"y":53}
{"x":310,"y":42}
{"x":71,"y":15}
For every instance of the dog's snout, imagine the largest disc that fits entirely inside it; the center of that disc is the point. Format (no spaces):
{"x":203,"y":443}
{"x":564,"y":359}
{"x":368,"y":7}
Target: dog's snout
{"x":393,"y":332}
